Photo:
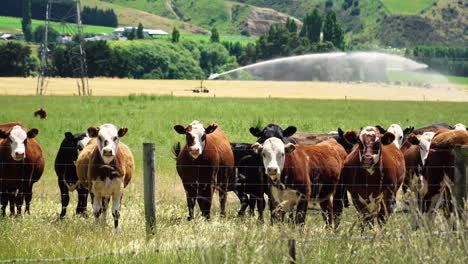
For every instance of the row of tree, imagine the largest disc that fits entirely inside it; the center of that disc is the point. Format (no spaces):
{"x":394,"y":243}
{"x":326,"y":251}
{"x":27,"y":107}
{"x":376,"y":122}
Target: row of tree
{"x":96,"y":16}
{"x":446,"y":60}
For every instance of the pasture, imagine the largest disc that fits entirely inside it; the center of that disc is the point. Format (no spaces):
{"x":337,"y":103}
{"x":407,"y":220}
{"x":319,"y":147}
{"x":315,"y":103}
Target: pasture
{"x":150,"y":118}
{"x":399,"y":7}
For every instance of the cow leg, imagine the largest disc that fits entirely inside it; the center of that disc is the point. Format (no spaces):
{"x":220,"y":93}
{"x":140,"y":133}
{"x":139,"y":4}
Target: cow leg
{"x":222,"y":199}
{"x":337,"y":210}
{"x":4,"y":201}
{"x":65,"y":197}
{"x":105,"y":206}
{"x":204,"y":199}
{"x":244,"y":202}
{"x":28,"y":198}
{"x":82,"y":201}
{"x":301,"y":210}
{"x":19,"y":199}
{"x":252,"y":201}
{"x":260,"y":206}
{"x":191,"y":195}
{"x":327,"y":211}
{"x":116,"y":201}
{"x":97,"y":208}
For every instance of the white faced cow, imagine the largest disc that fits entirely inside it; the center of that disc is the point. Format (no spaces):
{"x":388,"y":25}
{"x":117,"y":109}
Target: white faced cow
{"x":459,"y":126}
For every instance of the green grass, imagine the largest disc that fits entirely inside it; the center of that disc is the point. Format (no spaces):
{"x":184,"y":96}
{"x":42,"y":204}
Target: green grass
{"x":404,"y":7}
{"x":429,"y":78}
{"x":13,"y":24}
{"x":231,"y":38}
{"x":150,"y":119}
{"x":458,"y":80}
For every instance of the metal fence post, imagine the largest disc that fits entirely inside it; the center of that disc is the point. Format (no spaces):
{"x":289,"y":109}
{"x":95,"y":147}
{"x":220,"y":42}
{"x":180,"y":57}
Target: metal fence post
{"x":460,"y":177}
{"x":149,"y":188}
{"x":292,"y":250}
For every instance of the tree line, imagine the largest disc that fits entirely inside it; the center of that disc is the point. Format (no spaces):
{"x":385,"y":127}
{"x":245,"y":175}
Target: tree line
{"x":446,"y":60}
{"x":64,"y":10}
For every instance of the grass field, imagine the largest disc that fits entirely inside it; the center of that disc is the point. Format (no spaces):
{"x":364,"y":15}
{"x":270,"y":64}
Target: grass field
{"x":402,"y":7}
{"x":231,"y":38}
{"x":150,"y":119}
{"x":13,"y":24}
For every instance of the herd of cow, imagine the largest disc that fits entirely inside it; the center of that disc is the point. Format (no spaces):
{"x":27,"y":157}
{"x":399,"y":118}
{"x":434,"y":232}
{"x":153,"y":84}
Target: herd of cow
{"x":292,"y":169}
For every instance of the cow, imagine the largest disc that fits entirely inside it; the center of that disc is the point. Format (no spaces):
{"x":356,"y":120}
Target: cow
{"x":273,"y":130}
{"x":41,"y":113}
{"x":21,"y":165}
{"x":400,"y":134}
{"x":372,"y":173}
{"x":439,"y":169}
{"x":248,"y":180}
{"x":459,"y":126}
{"x":204,"y":164}
{"x":301,"y":173}
{"x":314,"y":139}
{"x":65,"y":168}
{"x":105,"y":167}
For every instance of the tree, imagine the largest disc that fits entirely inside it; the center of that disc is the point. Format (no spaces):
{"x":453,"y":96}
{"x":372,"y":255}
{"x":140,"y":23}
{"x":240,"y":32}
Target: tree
{"x":130,"y":35}
{"x":332,"y":31}
{"x":16,"y":59}
{"x":39,"y":32}
{"x":175,"y":35}
{"x":214,"y":35}
{"x":291,"y":25}
{"x":139,"y":32}
{"x":26,"y":21}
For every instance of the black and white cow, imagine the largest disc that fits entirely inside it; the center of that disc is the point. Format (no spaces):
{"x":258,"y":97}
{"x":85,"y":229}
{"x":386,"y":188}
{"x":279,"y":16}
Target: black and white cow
{"x":273,"y":130}
{"x":65,"y":169}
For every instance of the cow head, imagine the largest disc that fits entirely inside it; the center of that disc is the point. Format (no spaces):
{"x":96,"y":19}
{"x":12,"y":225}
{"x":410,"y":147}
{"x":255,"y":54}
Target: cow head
{"x":342,"y":141}
{"x":459,"y":126}
{"x":273,"y":152}
{"x":399,"y":133}
{"x":424,"y":143}
{"x":79,"y":140}
{"x":107,"y":140}
{"x":195,"y":135}
{"x":18,"y":138}
{"x":273,"y":130}
{"x":370,"y":143}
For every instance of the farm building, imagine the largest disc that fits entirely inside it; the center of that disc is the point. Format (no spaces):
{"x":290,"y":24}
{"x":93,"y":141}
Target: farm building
{"x":146,"y":32}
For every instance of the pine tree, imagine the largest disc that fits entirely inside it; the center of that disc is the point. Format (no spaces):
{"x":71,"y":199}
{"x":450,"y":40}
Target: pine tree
{"x":329,"y":26}
{"x":214,"y":35}
{"x":315,"y":26}
{"x":291,"y":25}
{"x":26,"y":22}
{"x":139,"y":33}
{"x":175,"y":35}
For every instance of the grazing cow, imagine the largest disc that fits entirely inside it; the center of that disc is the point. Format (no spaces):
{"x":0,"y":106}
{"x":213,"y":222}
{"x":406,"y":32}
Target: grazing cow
{"x":273,"y":130}
{"x":41,"y":113}
{"x":431,"y":128}
{"x":110,"y":166}
{"x":314,"y":139}
{"x":204,"y":164}
{"x":248,"y":180}
{"x":439,"y":170}
{"x":459,"y":126}
{"x":65,"y":169}
{"x":373,"y":172}
{"x":21,"y":165}
{"x":302,"y":173}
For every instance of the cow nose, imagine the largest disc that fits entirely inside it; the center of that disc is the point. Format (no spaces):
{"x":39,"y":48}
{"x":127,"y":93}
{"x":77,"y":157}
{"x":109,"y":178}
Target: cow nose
{"x":272,"y":171}
{"x":195,"y":150}
{"x":19,"y":154}
{"x":107,"y":152}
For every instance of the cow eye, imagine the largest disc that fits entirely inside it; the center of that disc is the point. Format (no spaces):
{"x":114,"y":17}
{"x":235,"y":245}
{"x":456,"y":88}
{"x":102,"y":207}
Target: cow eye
{"x":203,"y":138}
{"x":115,"y":138}
{"x":282,"y":154}
{"x":106,"y":142}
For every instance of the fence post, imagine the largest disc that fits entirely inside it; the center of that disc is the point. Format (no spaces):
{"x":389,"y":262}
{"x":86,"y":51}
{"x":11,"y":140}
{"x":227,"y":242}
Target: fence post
{"x":292,"y":250}
{"x":149,"y":188}
{"x":460,"y":177}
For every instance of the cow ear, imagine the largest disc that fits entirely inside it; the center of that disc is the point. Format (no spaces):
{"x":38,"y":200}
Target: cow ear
{"x":413,"y":139}
{"x":351,"y":137}
{"x":122,"y":131}
{"x":388,"y":138}
{"x":381,"y":129}
{"x":180,"y":129}
{"x":211,"y":128}
{"x":257,"y":148}
{"x":289,"y":147}
{"x":33,"y":132}
{"x":451,"y":127}
{"x":69,"y":135}
{"x":93,"y":132}
{"x":340,"y":132}
{"x":408,"y":130}
{"x":289,"y":131}
{"x":255,"y":131}
{"x":3,"y":134}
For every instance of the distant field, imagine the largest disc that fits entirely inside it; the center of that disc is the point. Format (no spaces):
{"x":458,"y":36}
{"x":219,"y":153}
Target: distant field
{"x":458,"y":80}
{"x":407,"y":7}
{"x":232,"y":38}
{"x":13,"y":24}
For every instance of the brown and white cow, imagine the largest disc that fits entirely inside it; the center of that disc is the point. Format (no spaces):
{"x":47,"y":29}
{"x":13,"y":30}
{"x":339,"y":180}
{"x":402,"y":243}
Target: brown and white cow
{"x":373,"y":172}
{"x":204,"y":164}
{"x":439,"y":169}
{"x":21,"y":165}
{"x":302,"y":173}
{"x":105,"y":167}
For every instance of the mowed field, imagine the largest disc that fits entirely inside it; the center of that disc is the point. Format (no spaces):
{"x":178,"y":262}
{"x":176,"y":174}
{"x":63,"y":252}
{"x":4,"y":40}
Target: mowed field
{"x":244,"y":89}
{"x":151,"y":118}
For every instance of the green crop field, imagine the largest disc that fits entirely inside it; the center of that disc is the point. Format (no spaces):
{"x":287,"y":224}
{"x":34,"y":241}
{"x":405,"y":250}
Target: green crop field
{"x":231,"y":38}
{"x":403,"y":7}
{"x":13,"y":24}
{"x":230,"y":240}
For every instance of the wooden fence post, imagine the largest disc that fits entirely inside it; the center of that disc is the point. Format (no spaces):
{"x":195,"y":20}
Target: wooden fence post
{"x":292,"y":250}
{"x":149,"y":188}
{"x":460,"y":177}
